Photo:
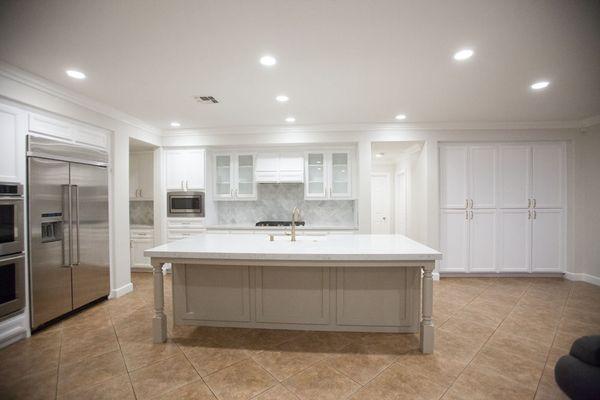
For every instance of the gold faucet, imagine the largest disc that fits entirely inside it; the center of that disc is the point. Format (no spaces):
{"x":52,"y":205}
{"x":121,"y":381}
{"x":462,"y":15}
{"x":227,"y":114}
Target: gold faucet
{"x":295,"y":215}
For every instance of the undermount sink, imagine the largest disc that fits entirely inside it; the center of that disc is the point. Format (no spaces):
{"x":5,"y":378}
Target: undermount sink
{"x":299,"y":238}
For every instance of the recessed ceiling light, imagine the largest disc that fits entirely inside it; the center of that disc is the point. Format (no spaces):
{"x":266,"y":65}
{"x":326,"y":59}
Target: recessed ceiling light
{"x":290,"y":119}
{"x":540,"y":85}
{"x":282,"y":98}
{"x":400,"y":117}
{"x":268,"y":61}
{"x":463,"y":54}
{"x":175,"y":124}
{"x":75,"y":74}
{"x":379,"y":155}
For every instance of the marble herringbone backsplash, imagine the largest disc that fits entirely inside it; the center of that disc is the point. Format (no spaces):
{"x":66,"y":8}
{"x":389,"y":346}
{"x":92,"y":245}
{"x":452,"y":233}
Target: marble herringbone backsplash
{"x":276,"y":201}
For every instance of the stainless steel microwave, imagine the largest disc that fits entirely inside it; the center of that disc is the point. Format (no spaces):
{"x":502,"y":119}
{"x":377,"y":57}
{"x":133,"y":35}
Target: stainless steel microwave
{"x":185,"y":204}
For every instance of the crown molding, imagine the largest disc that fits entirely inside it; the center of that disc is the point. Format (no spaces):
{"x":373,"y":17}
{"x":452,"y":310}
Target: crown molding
{"x":373,"y":128}
{"x":591,"y":121}
{"x":36,"y":82}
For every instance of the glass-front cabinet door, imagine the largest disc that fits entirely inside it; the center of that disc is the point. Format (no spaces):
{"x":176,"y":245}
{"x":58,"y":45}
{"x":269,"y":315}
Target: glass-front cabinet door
{"x":315,"y":185}
{"x":340,"y":175}
{"x":246,"y":184}
{"x":223,"y":176}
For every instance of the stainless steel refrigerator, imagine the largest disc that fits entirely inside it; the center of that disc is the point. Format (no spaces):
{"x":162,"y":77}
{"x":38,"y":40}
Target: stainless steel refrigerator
{"x":68,"y":227}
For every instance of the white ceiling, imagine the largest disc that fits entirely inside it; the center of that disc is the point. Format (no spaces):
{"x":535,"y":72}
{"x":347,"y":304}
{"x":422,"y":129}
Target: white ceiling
{"x":340,"y":62}
{"x":392,"y":151}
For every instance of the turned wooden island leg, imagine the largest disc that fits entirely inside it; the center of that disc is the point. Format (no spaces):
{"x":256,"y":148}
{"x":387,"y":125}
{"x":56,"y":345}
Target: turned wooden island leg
{"x":427,"y":329}
{"x":159,"y":322}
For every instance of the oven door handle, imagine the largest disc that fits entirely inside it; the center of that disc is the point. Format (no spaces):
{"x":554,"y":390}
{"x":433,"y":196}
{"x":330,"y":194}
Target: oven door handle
{"x":7,"y":260}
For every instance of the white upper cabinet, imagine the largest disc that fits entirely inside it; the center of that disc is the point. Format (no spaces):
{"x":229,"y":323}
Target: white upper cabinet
{"x":141,"y":176}
{"x":328,"y":175}
{"x":234,"y":176}
{"x":279,"y":168}
{"x":454,"y":176}
{"x":515,"y":176}
{"x":547,"y":175}
{"x":12,"y":130}
{"x":482,"y":171}
{"x":68,"y":130}
{"x":185,"y":169}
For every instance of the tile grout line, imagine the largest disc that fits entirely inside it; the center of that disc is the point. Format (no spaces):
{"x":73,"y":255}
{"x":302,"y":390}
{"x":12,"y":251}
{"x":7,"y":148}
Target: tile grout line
{"x":486,"y":341}
{"x":122,"y":355}
{"x":58,"y":366}
{"x":554,"y":338}
{"x":199,"y":375}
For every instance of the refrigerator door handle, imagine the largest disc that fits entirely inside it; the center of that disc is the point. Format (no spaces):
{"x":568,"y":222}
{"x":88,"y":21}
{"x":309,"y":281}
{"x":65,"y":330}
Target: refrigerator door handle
{"x":70,"y":201}
{"x":78,"y":252}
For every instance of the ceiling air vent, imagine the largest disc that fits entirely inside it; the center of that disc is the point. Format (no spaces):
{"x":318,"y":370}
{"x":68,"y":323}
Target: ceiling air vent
{"x":206,"y":99}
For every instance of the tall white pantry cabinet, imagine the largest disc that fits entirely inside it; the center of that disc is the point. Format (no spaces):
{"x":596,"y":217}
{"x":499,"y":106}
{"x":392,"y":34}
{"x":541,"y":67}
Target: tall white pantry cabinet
{"x":502,"y":207}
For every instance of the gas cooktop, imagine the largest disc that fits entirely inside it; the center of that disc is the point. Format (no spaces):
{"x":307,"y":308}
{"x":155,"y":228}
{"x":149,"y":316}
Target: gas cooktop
{"x":278,"y":223}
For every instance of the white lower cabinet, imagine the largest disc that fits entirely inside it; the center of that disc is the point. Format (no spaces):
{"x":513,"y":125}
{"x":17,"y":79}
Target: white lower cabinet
{"x":140,"y":241}
{"x":514,"y":240}
{"x":546,"y":243}
{"x":482,"y":240}
{"x":454,"y":240}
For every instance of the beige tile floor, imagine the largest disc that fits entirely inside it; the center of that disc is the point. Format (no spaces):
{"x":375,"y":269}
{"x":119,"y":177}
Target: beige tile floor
{"x":496,"y":338}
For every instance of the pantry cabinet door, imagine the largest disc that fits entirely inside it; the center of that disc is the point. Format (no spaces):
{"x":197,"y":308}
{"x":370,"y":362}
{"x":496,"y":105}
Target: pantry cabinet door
{"x":547,"y":175}
{"x":453,"y":176}
{"x":133,"y":175}
{"x":514,"y":240}
{"x":482,"y":171}
{"x":454,"y":240}
{"x":547,"y":241}
{"x":514,"y":176}
{"x":482,"y":241}
{"x":145,"y":175}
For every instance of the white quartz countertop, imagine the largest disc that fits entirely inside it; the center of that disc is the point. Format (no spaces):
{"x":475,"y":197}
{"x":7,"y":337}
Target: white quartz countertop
{"x":306,"y":248}
{"x":281,"y":228}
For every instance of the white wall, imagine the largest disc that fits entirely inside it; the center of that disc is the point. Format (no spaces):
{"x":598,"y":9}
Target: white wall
{"x":586,"y":204}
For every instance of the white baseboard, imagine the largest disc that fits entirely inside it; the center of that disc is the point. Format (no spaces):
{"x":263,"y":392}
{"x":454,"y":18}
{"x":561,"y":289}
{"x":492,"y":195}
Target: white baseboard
{"x":122,"y":291}
{"x":12,"y":330}
{"x":436,"y":276}
{"x":572,"y":276}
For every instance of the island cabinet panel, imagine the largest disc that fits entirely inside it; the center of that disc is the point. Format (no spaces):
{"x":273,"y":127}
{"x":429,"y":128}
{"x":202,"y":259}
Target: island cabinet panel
{"x":377,"y":297}
{"x":292,"y":295}
{"x":216,"y":293}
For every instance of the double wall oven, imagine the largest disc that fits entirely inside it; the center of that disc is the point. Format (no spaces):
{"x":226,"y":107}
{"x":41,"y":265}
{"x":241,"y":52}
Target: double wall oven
{"x":12,"y":258}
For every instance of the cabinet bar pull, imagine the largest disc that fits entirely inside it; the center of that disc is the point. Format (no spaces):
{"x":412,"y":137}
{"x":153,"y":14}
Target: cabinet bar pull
{"x":466,"y":203}
{"x":529,"y":214}
{"x":534,"y":214}
{"x":466,"y":215}
{"x":471,"y":214}
{"x":534,"y":203}
{"x":471,"y":203}
{"x":528,"y":203}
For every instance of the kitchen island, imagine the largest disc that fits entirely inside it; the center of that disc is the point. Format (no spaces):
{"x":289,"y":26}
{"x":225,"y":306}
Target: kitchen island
{"x":365,"y":283}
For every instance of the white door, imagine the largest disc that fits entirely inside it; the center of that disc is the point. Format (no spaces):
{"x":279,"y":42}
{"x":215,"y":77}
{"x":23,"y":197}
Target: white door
{"x":482,"y":241}
{"x":400,"y":203}
{"x":340,"y":175}
{"x":223,"y":176}
{"x":245,"y":183}
{"x":315,"y":185}
{"x":175,"y":169}
{"x":453,"y":176}
{"x":547,"y":179}
{"x":194,"y":169}
{"x":380,"y":204}
{"x":454,"y":227}
{"x":514,"y":240}
{"x":514,"y":176}
{"x":547,"y":240}
{"x":482,"y":171}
